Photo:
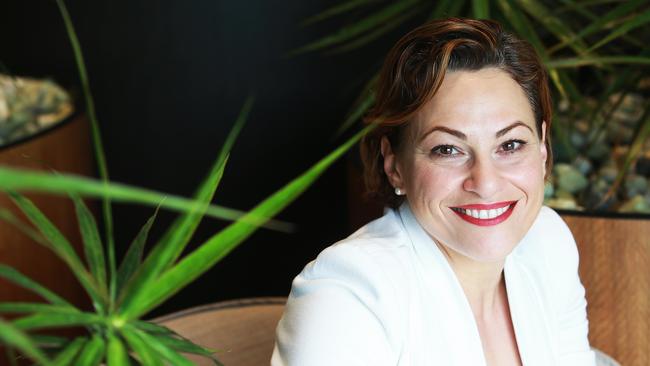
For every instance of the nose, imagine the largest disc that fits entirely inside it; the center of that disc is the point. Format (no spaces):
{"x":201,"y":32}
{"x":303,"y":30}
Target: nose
{"x":483,"y":178}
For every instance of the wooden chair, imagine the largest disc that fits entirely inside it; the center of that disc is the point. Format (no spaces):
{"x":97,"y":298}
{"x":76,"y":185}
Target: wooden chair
{"x":242,"y":330}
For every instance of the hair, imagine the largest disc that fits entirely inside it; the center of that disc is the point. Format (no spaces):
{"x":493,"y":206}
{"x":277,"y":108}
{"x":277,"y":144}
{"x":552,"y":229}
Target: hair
{"x":414,"y":70}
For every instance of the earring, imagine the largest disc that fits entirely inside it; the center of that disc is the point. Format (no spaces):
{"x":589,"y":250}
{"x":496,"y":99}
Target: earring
{"x":398,"y":191}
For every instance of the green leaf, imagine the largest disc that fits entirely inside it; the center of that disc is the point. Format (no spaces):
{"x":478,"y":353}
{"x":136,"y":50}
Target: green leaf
{"x":9,"y":217}
{"x":12,"y":179}
{"x":34,"y":307}
{"x":70,"y":352}
{"x":133,"y":256}
{"x":48,"y":341}
{"x":93,"y":351}
{"x":62,"y":248}
{"x":152,"y":327}
{"x":523,"y":27}
{"x":58,"y":320}
{"x":20,"y":279}
{"x":116,"y":352}
{"x":146,"y":355}
{"x":335,"y":10}
{"x":481,"y":9}
{"x":637,"y":21}
{"x":14,"y":337}
{"x":92,"y":242}
{"x":553,"y":24}
{"x":187,"y":346}
{"x":521,"y":24}
{"x":96,"y":136}
{"x":351,"y":31}
{"x":441,"y":10}
{"x":219,"y":245}
{"x":597,"y":61}
{"x":378,"y":31}
{"x":170,"y":247}
{"x":601,"y":22}
{"x":360,"y":109}
{"x":166,"y":352}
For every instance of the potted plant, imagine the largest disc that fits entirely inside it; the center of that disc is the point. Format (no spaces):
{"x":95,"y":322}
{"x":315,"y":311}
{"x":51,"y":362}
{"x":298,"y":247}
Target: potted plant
{"x":113,"y":332}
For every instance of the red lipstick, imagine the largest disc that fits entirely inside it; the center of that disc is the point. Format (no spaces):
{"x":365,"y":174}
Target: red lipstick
{"x":460,"y":211}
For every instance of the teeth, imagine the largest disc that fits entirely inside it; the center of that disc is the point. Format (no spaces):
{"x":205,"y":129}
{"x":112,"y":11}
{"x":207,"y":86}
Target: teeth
{"x":483,"y":214}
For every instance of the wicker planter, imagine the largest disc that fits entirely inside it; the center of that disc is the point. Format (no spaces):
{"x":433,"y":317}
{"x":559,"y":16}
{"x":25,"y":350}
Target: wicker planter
{"x":615,"y":270}
{"x":64,"y":148}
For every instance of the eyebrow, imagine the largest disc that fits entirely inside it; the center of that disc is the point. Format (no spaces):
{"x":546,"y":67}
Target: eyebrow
{"x":463,"y":137}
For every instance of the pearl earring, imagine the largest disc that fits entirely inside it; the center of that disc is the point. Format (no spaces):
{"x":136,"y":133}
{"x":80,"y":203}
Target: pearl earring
{"x":399,"y":192}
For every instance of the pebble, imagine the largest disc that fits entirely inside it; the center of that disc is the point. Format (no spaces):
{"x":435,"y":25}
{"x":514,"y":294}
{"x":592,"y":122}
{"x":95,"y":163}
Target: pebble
{"x":608,"y":173}
{"x":635,"y":185}
{"x":583,"y":165}
{"x":636,"y":204}
{"x":569,"y":178}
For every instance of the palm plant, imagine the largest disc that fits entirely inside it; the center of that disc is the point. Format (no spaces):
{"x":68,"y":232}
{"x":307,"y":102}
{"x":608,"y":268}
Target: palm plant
{"x":597,"y":53}
{"x":113,"y":331}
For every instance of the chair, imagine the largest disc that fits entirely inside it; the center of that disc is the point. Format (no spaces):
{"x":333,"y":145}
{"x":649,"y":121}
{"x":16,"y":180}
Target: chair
{"x":242,"y":330}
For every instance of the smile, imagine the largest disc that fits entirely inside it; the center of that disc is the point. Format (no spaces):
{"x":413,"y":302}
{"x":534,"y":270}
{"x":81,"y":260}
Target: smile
{"x":485,"y":215}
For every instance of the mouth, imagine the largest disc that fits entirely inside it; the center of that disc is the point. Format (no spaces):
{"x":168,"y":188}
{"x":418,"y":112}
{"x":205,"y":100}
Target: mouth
{"x":485,"y":215}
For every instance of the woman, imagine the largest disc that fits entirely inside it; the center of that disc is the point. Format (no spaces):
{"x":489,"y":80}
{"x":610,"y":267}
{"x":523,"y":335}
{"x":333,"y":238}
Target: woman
{"x":466,"y":267}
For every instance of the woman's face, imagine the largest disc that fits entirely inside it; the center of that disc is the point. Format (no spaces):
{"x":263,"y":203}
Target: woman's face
{"x":472,"y":165}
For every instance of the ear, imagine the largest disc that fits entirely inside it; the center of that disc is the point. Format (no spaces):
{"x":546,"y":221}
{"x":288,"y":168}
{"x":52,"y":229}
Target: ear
{"x":391,"y":166}
{"x":542,"y":147}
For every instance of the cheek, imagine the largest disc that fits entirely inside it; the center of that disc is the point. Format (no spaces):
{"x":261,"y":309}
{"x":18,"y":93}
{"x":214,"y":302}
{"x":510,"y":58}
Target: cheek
{"x":528,"y":174}
{"x":433,"y":182}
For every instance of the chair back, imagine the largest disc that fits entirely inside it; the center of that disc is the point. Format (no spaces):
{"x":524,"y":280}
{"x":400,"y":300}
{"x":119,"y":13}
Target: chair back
{"x":243,"y":331}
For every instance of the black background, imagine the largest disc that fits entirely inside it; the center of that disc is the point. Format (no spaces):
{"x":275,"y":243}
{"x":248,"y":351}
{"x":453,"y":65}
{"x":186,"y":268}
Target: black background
{"x":169,"y":78}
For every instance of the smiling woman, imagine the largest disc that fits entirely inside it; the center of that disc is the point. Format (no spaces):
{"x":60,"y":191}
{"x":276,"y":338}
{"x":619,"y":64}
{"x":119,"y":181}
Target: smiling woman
{"x":466,"y":267}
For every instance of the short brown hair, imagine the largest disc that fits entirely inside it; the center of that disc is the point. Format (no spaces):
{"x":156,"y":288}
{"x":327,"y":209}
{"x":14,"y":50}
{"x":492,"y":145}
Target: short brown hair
{"x":414,"y":69}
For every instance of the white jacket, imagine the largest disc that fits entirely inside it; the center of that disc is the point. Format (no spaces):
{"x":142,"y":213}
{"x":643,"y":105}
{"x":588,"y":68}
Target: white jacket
{"x":387,"y":296}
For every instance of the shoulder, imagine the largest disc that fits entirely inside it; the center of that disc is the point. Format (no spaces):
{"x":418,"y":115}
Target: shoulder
{"x":349,"y":297}
{"x":368,"y":258}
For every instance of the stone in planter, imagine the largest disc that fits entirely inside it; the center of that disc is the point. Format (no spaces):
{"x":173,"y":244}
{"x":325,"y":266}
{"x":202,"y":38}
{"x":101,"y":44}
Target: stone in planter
{"x":595,"y":197}
{"x":569,"y":179}
{"x":583,"y":165}
{"x":635,"y":185}
{"x":636,"y":204}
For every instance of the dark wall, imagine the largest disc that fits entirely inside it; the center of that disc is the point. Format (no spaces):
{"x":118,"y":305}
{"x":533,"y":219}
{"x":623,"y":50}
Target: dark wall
{"x":169,"y":78}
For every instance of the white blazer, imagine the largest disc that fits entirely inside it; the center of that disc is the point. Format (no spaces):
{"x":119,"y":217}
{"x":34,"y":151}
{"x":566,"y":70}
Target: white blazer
{"x":386,"y":295}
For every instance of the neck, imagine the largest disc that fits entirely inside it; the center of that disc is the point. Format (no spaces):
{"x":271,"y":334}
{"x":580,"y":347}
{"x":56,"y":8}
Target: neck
{"x":482,"y":282}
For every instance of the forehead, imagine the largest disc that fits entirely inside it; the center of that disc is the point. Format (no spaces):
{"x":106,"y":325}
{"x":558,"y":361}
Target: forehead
{"x":476,"y":102}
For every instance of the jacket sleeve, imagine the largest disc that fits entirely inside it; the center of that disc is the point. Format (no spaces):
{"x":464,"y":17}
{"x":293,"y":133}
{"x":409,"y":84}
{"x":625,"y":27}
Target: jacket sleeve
{"x":571,"y":305}
{"x":334,"y":314}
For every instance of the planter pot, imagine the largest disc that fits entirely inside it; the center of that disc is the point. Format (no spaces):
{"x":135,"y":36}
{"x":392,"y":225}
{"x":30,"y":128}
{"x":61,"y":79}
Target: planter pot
{"x":615,"y":270}
{"x":64,"y":148}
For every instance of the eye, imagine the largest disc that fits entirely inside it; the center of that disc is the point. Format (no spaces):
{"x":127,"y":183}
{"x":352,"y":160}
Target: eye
{"x":445,"y":151}
{"x":512,"y":145}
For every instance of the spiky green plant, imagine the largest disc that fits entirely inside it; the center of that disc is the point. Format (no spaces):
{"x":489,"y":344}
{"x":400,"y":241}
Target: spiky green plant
{"x":114,"y":332}
{"x":596,"y":52}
